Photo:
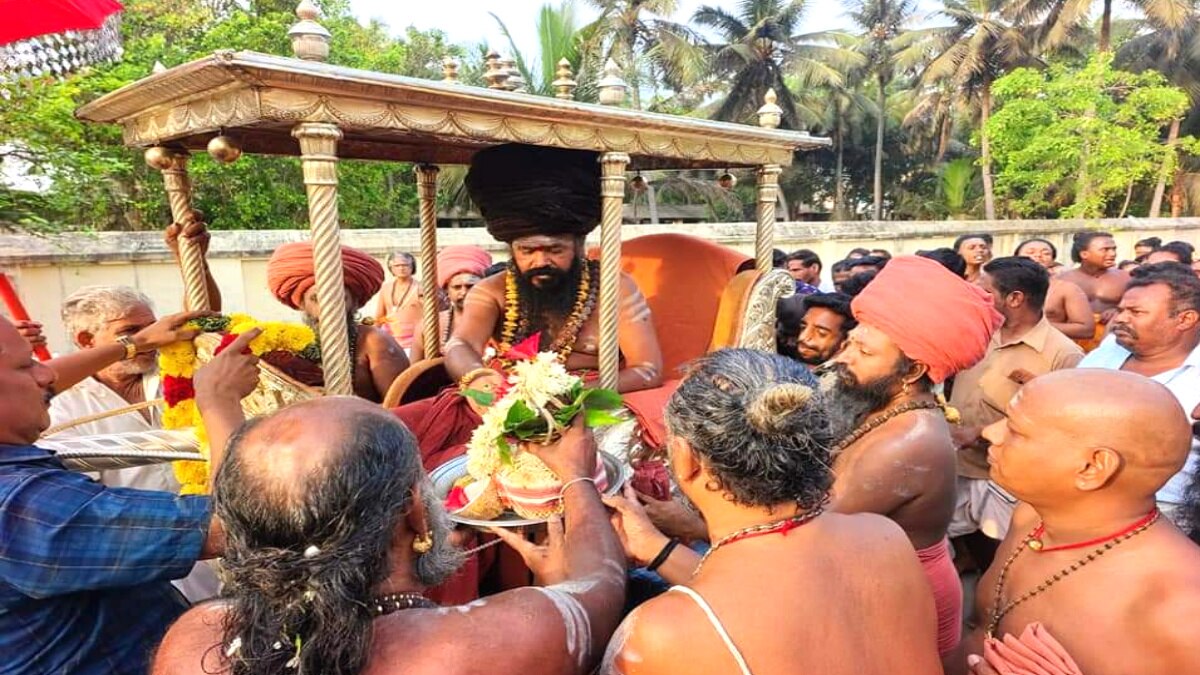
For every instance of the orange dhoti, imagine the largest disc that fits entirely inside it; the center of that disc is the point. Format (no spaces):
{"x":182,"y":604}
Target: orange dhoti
{"x":1089,"y":344}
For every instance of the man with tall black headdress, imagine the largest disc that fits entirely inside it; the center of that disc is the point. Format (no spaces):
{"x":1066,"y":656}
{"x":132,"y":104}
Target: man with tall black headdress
{"x":542,"y":202}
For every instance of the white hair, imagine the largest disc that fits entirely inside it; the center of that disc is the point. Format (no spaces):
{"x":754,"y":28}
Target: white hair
{"x":89,"y":308}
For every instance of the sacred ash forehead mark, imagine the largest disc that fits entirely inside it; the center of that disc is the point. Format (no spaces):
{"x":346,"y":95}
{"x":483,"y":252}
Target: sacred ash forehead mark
{"x":575,"y":621}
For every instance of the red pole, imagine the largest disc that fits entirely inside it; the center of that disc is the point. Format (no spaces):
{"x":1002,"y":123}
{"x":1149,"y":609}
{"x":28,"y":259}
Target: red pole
{"x":17,"y":311}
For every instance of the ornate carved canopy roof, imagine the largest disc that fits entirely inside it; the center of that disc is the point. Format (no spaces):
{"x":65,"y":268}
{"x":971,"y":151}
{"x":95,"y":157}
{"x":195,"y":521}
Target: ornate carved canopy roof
{"x":258,"y":99}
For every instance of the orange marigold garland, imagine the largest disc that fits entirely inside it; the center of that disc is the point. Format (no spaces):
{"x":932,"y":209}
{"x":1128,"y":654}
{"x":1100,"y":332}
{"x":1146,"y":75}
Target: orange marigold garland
{"x":177,"y":364}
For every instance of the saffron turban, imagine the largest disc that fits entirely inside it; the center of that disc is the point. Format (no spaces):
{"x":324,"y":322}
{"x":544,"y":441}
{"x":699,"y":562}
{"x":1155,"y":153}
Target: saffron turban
{"x":525,"y":190}
{"x":455,"y":260}
{"x":290,"y":273}
{"x":933,"y":316}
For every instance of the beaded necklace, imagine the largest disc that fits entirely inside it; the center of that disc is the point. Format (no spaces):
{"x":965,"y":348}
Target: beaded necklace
{"x":775,"y":527}
{"x":564,"y":344}
{"x":394,"y":602}
{"x":874,"y":423}
{"x":998,"y":612}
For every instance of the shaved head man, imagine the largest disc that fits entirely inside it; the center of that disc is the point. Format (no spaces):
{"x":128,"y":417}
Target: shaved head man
{"x":1089,"y":565}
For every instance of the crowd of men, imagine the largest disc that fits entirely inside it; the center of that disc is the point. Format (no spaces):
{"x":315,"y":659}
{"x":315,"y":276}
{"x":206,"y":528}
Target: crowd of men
{"x":927,"y":416}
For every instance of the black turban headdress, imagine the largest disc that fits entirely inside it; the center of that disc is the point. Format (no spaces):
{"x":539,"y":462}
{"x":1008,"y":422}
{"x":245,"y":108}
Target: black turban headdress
{"x":524,"y":190}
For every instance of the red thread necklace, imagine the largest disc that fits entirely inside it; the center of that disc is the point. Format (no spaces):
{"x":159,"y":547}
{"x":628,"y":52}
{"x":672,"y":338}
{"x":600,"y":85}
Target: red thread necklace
{"x":777,"y":527}
{"x":1035,"y":537}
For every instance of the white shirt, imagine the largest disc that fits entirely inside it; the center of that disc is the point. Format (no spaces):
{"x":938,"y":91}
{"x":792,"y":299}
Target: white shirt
{"x":1183,"y":382}
{"x":90,"y":397}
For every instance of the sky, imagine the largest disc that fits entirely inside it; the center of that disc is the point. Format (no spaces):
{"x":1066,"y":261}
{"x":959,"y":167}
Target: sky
{"x":467,"y":22}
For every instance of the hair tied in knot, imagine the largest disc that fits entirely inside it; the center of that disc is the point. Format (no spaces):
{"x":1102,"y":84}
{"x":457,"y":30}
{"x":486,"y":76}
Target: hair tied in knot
{"x":312,"y":552}
{"x":769,"y":411}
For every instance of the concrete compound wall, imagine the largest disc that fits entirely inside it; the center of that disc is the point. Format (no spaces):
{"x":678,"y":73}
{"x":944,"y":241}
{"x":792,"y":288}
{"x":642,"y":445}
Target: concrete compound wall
{"x":45,"y":270}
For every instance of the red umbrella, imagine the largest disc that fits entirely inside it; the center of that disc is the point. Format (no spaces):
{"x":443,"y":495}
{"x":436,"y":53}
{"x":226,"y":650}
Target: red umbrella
{"x":39,"y":37}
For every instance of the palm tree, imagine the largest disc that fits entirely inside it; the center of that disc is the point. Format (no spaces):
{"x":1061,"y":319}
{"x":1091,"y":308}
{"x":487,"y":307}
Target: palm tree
{"x":978,"y":47}
{"x":1172,"y":48}
{"x":559,"y":37}
{"x":1062,"y":22}
{"x":883,"y":24}
{"x":761,"y":51}
{"x":635,"y":35}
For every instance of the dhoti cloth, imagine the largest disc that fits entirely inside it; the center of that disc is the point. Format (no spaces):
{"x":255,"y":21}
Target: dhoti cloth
{"x":1089,"y":344}
{"x":1036,"y":652}
{"x":443,"y":425}
{"x":947,"y":593}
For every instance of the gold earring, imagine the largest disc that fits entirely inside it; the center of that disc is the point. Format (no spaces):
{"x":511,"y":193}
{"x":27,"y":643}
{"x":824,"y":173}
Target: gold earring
{"x":424,"y":543}
{"x":904,"y":390}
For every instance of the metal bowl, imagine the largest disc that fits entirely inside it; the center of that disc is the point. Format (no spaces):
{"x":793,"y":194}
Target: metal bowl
{"x":444,"y":476}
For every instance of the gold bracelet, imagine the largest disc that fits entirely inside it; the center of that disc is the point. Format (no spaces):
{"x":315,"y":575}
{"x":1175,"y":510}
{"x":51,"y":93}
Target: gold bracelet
{"x":466,"y":380}
{"x":130,"y":348}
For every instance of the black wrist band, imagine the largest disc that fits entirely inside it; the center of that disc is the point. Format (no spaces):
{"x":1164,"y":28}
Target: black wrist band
{"x":662,"y":555}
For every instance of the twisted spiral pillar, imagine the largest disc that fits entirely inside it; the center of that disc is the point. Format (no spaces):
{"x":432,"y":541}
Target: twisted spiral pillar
{"x":179,"y":195}
{"x":427,"y":176}
{"x":764,"y":235}
{"x":612,"y":201}
{"x":318,"y":157}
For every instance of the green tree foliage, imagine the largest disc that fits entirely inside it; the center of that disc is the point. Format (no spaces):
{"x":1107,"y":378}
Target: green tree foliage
{"x":97,"y":184}
{"x":1072,"y":142}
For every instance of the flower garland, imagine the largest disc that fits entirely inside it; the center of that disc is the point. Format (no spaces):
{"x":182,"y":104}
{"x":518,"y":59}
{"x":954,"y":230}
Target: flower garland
{"x":178,"y":362}
{"x":564,"y":344}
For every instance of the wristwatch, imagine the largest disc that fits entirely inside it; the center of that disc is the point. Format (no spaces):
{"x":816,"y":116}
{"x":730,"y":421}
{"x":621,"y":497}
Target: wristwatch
{"x":130,"y":348}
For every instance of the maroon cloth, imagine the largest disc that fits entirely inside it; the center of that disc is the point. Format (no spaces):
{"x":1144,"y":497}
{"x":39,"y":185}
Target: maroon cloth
{"x":442,"y":424}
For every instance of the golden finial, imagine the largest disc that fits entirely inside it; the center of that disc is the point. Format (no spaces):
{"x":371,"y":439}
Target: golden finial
{"x":496,"y":73}
{"x":612,"y":87}
{"x":770,"y":114}
{"x":564,"y":85}
{"x":450,"y":70}
{"x":310,"y":40}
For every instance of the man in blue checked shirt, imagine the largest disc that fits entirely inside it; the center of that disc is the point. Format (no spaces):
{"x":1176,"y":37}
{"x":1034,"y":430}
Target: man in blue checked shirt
{"x":85,"y":569}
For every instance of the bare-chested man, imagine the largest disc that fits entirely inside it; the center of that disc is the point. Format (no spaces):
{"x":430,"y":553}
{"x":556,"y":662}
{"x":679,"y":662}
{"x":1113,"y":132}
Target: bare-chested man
{"x":459,"y":268}
{"x":918,"y":324}
{"x":1067,"y":307}
{"x":787,"y":587}
{"x":1089,"y":565}
{"x":543,"y":202}
{"x":975,"y":249}
{"x":376,"y":355}
{"x":339,"y":588}
{"x":1097,"y":275}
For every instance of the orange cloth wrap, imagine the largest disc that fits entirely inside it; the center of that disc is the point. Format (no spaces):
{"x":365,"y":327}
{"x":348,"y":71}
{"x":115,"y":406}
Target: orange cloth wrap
{"x":933,"y":316}
{"x":947,"y":593}
{"x":455,"y":260}
{"x":290,"y":274}
{"x":1036,"y":652}
{"x":1089,"y":344}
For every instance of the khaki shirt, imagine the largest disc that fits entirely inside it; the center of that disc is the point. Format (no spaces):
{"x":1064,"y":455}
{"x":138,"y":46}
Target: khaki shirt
{"x":982,"y":393}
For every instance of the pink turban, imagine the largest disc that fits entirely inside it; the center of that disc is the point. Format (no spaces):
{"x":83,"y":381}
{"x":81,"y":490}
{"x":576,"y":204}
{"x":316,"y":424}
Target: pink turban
{"x":933,"y":316}
{"x":454,"y":260}
{"x":290,"y":273}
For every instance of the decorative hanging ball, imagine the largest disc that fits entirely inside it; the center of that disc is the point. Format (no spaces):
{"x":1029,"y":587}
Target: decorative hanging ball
{"x":159,"y":158}
{"x":638,"y":184}
{"x":727,"y":180}
{"x":224,"y":149}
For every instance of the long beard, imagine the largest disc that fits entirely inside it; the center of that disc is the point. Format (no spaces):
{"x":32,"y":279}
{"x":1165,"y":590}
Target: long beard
{"x":849,"y":401}
{"x":553,"y":299}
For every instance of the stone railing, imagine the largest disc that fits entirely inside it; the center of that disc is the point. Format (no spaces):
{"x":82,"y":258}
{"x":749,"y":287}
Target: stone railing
{"x":47,"y":269}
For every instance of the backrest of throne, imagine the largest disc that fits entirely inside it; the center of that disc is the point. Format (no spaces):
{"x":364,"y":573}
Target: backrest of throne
{"x":699,"y":300}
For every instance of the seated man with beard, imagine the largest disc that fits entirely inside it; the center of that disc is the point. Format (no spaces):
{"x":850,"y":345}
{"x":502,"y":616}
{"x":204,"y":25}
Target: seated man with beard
{"x":542,"y":202}
{"x":918,"y":324}
{"x":786,"y":586}
{"x":376,"y":355}
{"x":335,"y":533}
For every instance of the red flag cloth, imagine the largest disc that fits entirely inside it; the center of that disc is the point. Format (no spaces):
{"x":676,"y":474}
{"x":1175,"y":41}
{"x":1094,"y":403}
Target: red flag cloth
{"x":24,"y":19}
{"x":934,"y":317}
{"x":455,"y":260}
{"x":290,"y":273}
